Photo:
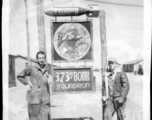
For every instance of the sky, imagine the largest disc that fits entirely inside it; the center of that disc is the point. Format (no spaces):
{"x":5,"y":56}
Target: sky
{"x":124,"y":30}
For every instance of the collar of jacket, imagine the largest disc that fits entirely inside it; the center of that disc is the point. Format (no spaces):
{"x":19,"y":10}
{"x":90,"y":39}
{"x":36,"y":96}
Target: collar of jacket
{"x":116,"y":70}
{"x":39,"y":68}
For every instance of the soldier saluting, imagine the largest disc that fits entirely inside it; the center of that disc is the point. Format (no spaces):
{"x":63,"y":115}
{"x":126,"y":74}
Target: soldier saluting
{"x":115,"y":89}
{"x":38,"y":97}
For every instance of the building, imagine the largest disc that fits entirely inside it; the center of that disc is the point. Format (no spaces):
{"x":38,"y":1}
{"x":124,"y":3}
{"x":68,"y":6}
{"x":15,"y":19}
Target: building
{"x":138,"y":67}
{"x":16,"y":65}
{"x":133,"y":66}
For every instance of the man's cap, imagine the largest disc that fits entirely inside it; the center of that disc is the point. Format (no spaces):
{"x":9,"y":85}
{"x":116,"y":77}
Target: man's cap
{"x":112,"y":59}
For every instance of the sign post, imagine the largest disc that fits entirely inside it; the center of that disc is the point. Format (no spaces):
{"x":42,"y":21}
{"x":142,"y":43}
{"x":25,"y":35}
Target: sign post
{"x":72,"y":42}
{"x":103,"y":47}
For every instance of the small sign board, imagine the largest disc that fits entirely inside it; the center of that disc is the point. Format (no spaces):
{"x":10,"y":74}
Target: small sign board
{"x":72,"y":80}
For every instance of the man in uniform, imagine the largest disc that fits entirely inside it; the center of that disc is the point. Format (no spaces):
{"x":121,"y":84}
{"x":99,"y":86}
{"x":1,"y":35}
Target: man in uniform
{"x":115,"y":93}
{"x":38,"y":97}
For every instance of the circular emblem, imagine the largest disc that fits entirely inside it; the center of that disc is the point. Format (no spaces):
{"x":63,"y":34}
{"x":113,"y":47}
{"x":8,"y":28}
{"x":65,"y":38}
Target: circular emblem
{"x":72,"y":41}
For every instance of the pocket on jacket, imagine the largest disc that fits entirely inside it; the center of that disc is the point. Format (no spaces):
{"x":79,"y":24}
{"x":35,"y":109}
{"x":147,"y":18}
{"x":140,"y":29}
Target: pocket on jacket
{"x":117,"y":88}
{"x":45,"y":97}
{"x":33,"y":98}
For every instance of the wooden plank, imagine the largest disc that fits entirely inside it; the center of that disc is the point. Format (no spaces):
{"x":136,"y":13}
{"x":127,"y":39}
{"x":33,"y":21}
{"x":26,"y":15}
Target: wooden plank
{"x":103,"y":41}
{"x":27,"y":31}
{"x":103,"y":45}
{"x":41,"y":26}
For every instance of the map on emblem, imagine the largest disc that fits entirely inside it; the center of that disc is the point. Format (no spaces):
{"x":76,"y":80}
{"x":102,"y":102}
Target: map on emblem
{"x":71,"y":41}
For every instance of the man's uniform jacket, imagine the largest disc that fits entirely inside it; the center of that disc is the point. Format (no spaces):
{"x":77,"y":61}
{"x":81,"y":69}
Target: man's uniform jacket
{"x":39,"y":93}
{"x":120,"y":85}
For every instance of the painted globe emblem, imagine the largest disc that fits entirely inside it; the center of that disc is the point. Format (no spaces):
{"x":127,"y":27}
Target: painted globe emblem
{"x":72,"y":41}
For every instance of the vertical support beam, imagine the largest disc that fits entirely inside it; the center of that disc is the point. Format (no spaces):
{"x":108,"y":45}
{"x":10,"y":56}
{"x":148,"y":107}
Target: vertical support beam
{"x":28,"y":37}
{"x":41,"y":26}
{"x":103,"y":41}
{"x":103,"y":46}
{"x":27,"y":31}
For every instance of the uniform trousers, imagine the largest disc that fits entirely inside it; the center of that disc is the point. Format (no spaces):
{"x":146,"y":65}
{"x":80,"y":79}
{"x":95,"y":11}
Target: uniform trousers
{"x":112,"y":107}
{"x":39,"y":111}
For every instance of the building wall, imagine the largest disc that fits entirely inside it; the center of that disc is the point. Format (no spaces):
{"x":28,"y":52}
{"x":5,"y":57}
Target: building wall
{"x":20,"y":64}
{"x":128,"y":67}
{"x":12,"y":81}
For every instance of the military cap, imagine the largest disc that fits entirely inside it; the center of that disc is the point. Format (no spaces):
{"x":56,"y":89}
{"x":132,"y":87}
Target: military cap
{"x":112,"y":59}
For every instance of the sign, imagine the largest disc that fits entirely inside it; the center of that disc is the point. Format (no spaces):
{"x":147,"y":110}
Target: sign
{"x":72,"y":41}
{"x":72,"y":80}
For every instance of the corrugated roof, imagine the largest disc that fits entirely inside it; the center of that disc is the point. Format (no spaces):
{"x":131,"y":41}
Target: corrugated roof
{"x":134,"y":62}
{"x":16,"y":56}
{"x":23,"y":57}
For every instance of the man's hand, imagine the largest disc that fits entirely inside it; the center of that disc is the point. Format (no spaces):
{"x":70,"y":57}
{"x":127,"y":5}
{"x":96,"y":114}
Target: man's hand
{"x":104,"y":99}
{"x":49,"y":79}
{"x":119,"y":99}
{"x":29,"y":82}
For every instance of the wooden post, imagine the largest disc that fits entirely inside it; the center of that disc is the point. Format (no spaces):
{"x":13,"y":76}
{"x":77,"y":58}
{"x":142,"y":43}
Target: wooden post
{"x":27,"y":31}
{"x":28,"y":37}
{"x":41,"y":26}
{"x":103,"y":41}
{"x":103,"y":46}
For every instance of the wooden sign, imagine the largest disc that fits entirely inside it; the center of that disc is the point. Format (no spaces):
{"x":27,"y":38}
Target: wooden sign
{"x":72,"y":41}
{"x":72,"y":80}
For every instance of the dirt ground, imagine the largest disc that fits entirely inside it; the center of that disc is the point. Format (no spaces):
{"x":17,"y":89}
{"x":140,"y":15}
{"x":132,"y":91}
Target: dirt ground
{"x":76,"y":105}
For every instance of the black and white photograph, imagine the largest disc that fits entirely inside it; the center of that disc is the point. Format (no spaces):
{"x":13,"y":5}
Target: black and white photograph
{"x":76,"y":59}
